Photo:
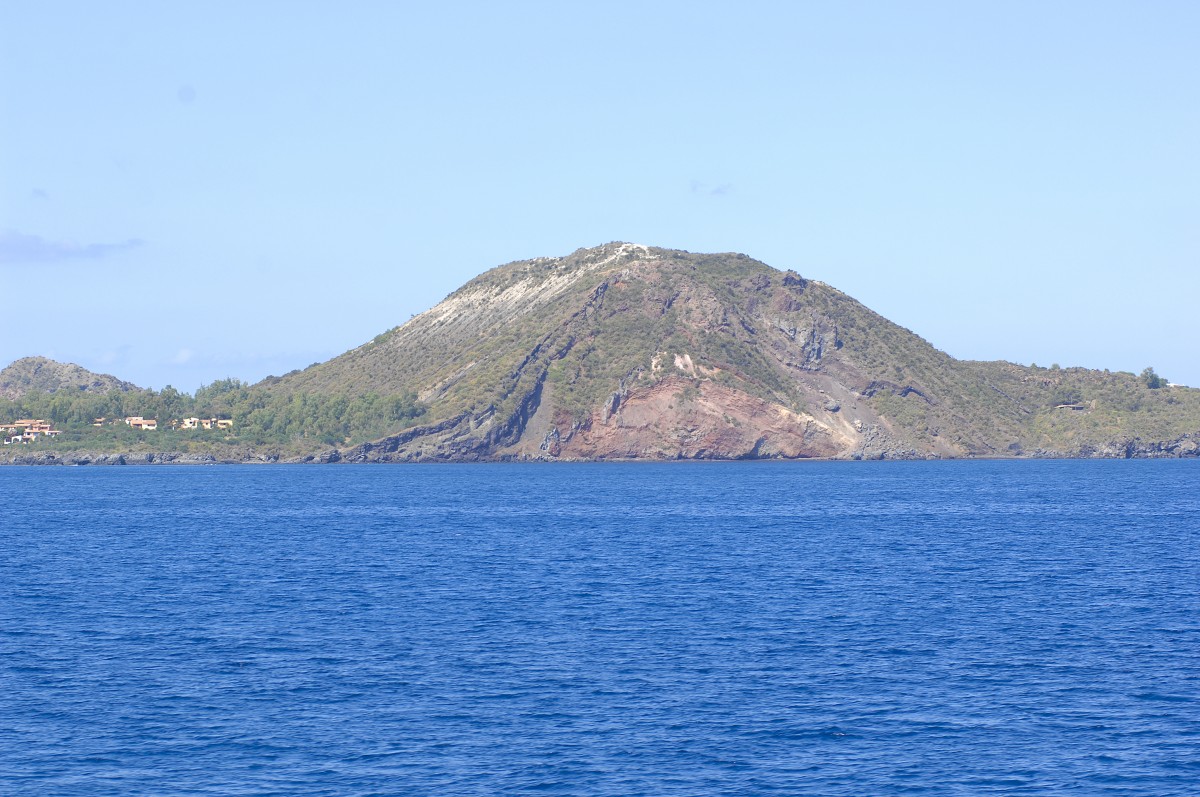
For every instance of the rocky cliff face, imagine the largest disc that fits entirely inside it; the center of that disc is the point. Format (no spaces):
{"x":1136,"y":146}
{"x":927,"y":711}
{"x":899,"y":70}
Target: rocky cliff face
{"x":42,"y":375}
{"x":626,"y":351}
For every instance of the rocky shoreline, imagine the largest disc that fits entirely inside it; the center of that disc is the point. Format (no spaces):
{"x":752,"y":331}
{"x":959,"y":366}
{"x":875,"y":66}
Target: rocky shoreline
{"x":1184,"y":447}
{"x":75,"y":458}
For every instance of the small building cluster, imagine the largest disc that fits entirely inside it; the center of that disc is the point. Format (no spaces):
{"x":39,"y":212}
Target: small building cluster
{"x":138,"y":422}
{"x":26,"y":430}
{"x":203,"y":423}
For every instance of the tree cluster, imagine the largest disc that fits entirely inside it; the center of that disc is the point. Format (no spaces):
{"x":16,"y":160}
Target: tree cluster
{"x":260,"y":416}
{"x":1153,"y":380}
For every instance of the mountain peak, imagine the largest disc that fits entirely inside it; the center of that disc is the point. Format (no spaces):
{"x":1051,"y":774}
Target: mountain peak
{"x":627,"y":351}
{"x":630,"y":351}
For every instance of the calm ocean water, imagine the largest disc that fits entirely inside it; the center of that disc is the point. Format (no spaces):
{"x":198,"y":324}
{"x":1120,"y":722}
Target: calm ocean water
{"x":959,"y":628}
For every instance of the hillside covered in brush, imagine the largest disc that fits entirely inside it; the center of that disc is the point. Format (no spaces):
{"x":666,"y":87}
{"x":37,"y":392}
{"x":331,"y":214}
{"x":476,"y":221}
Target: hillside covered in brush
{"x":623,"y":352}
{"x":627,"y":351}
{"x":32,"y":375}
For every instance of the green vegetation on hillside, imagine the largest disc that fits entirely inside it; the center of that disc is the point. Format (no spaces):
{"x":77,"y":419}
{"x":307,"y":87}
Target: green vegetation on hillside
{"x":614,"y":319}
{"x":1070,"y":409}
{"x":261,"y":418}
{"x":1153,"y":380}
{"x":527,"y":354}
{"x":43,"y":375}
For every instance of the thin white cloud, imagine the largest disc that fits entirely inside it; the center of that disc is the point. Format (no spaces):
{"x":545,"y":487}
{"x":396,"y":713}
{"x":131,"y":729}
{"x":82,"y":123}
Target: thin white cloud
{"x":18,"y":247}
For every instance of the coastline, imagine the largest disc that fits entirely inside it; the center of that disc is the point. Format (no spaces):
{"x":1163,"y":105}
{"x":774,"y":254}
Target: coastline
{"x":1185,"y":447}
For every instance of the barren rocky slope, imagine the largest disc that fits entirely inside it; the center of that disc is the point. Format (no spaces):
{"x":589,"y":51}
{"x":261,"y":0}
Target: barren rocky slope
{"x":627,"y":351}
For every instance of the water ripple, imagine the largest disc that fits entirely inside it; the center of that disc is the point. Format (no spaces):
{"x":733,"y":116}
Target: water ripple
{"x":977,"y":628}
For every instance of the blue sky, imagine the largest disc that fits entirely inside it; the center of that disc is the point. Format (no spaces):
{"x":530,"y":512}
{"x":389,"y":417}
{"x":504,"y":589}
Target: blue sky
{"x":195,"y":191}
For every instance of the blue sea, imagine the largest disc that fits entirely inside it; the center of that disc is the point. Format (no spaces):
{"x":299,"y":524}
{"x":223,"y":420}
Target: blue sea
{"x":810,"y":628}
